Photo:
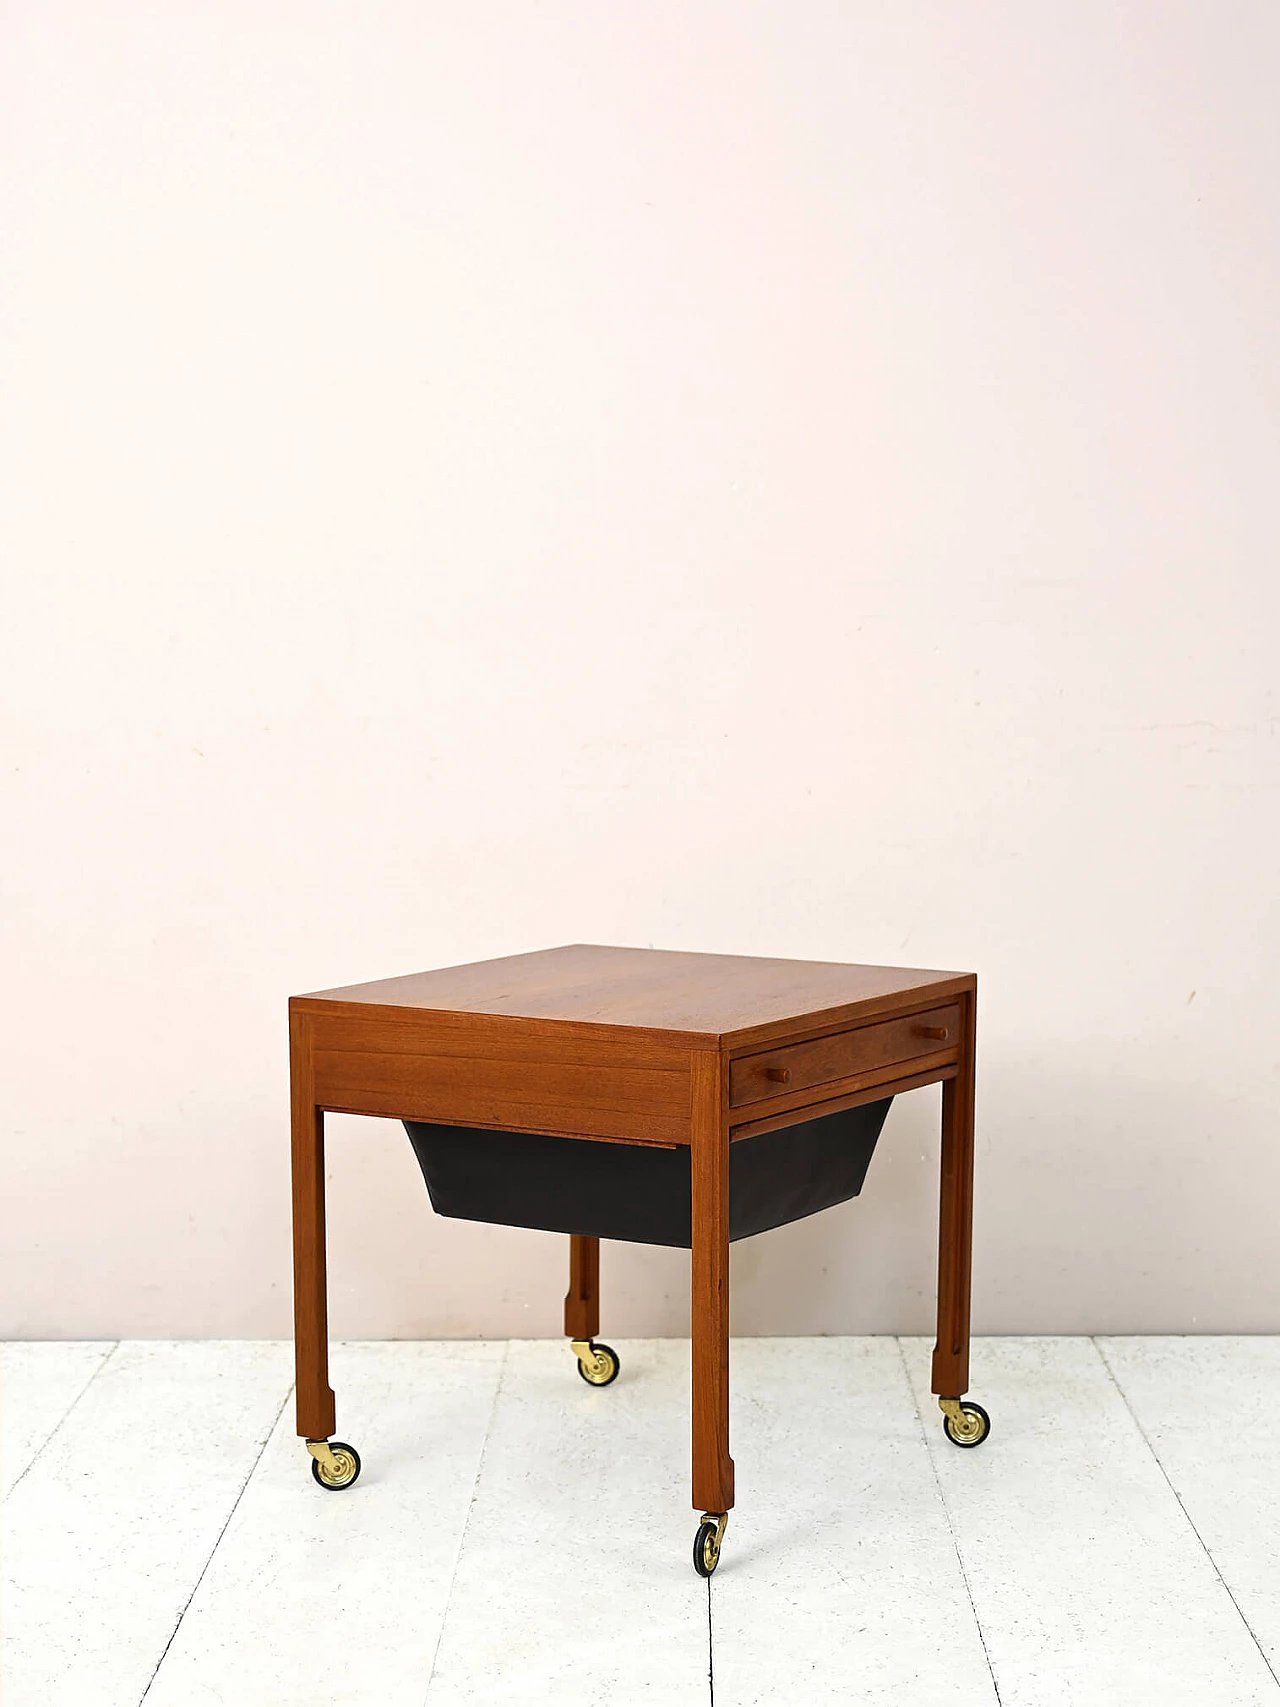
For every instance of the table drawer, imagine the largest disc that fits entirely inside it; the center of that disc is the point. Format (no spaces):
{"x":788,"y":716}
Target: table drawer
{"x":798,"y":1066}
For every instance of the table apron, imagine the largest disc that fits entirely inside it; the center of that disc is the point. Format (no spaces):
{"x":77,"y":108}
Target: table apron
{"x":638,"y":1104}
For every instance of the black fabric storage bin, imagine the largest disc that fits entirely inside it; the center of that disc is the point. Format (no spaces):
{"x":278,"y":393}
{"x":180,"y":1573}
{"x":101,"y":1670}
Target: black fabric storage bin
{"x":638,"y":1192}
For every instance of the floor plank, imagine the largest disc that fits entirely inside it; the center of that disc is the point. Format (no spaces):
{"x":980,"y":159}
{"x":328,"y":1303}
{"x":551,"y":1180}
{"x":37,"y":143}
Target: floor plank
{"x":839,"y":1579}
{"x":107,"y":1534}
{"x":40,"y":1380}
{"x":319,"y":1599}
{"x":1090,"y":1585}
{"x":574,"y":1582}
{"x":1210,"y":1409}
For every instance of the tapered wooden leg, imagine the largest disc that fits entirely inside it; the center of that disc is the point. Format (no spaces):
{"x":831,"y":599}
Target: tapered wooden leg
{"x":315,"y":1406}
{"x":709,"y":1162}
{"x":582,"y":1301}
{"x":955,"y":1220}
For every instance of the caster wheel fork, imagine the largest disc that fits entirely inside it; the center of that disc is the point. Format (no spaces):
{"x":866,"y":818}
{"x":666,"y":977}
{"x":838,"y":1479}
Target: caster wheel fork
{"x":706,"y":1543}
{"x":334,"y":1464}
{"x":597,"y":1364}
{"x":964,"y":1422}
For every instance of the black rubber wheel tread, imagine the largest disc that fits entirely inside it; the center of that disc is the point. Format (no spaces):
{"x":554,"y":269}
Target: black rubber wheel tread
{"x":611,"y":1354}
{"x":337,"y":1487}
{"x":706,"y":1532}
{"x":974,"y":1407}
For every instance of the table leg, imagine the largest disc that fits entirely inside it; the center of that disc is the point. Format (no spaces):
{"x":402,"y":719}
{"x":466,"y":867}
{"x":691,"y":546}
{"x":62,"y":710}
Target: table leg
{"x":582,"y":1301}
{"x":597,"y":1364}
{"x":709,"y":1265}
{"x":315,"y":1404}
{"x":955,"y":1220}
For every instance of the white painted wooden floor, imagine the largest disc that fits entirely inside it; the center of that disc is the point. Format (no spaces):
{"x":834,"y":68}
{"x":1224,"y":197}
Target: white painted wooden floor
{"x":519,"y":1536}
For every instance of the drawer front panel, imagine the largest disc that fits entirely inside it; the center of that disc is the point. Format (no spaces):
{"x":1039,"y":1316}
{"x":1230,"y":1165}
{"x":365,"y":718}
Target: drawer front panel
{"x":798,"y":1066}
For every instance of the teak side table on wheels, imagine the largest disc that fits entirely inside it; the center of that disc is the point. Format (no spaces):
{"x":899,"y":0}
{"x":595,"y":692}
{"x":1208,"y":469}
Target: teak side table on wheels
{"x":677,"y":1099}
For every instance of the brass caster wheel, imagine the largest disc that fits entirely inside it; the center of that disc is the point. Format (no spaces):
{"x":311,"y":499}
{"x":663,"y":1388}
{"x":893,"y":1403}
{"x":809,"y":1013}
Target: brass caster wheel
{"x":334,"y":1464}
{"x":597,"y":1364}
{"x":964,"y":1422}
{"x":706,"y":1543}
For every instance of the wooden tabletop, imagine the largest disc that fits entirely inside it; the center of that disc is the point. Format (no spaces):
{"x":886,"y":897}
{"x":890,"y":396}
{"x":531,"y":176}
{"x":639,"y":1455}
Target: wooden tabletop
{"x":720,"y":996}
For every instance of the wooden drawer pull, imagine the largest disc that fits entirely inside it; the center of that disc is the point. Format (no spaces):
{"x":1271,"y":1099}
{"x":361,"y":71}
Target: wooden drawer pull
{"x":779,"y":1075}
{"x":938,"y":1032}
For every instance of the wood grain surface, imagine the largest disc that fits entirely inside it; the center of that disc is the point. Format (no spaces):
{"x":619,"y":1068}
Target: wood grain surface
{"x":712,"y":999}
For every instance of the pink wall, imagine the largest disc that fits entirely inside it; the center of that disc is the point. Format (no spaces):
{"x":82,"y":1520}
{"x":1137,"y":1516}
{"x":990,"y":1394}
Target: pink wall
{"x":778,"y":479}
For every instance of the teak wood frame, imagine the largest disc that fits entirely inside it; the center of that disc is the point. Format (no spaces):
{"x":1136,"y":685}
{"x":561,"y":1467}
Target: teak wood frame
{"x":659,"y":1088}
